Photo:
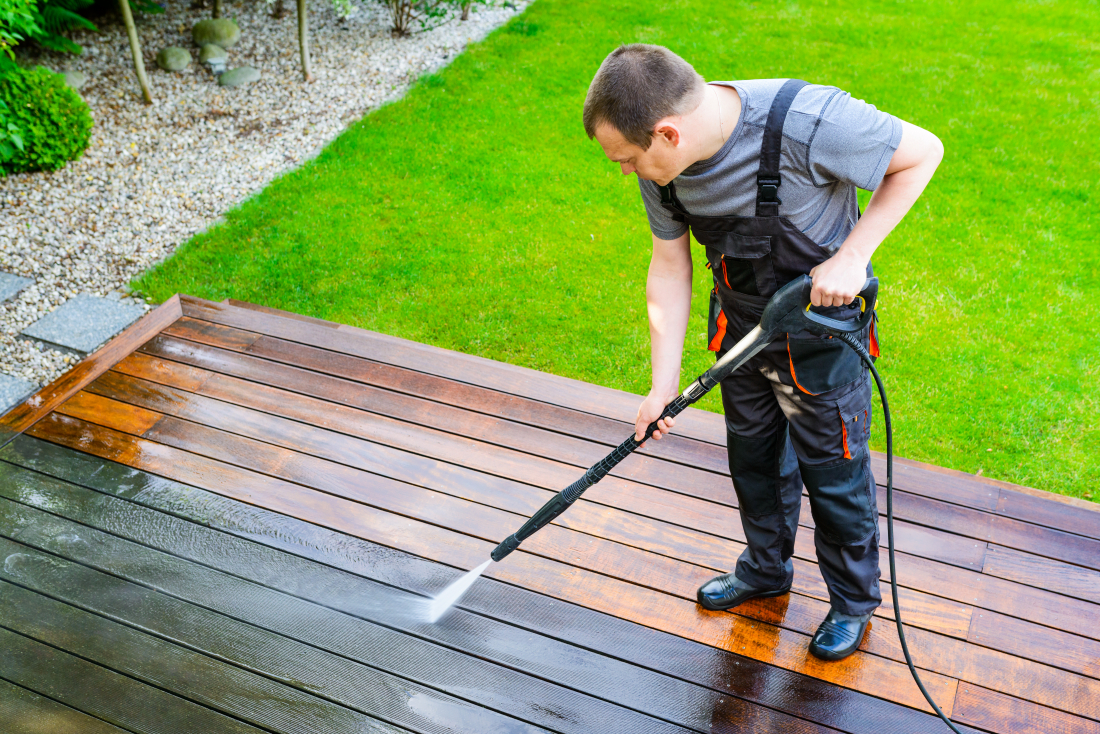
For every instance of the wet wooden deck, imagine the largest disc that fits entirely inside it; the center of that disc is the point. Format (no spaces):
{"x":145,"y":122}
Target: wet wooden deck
{"x":228,"y":520}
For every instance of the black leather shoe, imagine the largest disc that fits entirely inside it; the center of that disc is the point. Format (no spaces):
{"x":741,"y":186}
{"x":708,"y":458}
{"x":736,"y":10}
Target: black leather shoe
{"x":727,"y":591}
{"x":839,"y":635}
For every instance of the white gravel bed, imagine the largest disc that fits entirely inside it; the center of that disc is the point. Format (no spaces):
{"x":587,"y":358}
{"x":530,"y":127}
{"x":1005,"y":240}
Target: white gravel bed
{"x":155,"y":175}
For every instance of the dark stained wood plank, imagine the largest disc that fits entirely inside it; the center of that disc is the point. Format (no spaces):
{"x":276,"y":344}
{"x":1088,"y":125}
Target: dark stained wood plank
{"x":1078,"y":517}
{"x":255,"y":699}
{"x":1025,"y":568}
{"x":562,"y":709}
{"x":24,"y":712}
{"x":1055,"y":647}
{"x":567,"y":393}
{"x":994,"y":711}
{"x":786,"y":648}
{"x":674,"y":541}
{"x":1031,"y":681}
{"x":329,"y":664}
{"x":105,"y":694}
{"x":25,"y":414}
{"x":667,"y":573}
{"x":306,"y":565}
{"x":695,"y":484}
{"x":931,"y":513}
{"x":592,"y":428}
{"x":1007,"y":598}
{"x":507,"y":378}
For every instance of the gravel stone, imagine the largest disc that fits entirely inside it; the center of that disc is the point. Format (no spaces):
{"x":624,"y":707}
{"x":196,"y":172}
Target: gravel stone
{"x":212,"y":51}
{"x":239,"y":77}
{"x":220,"y":31}
{"x":74,"y":79}
{"x":173,"y":58}
{"x":154,"y":176}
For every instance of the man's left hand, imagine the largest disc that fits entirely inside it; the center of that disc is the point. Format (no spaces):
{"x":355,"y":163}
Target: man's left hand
{"x":838,"y":280}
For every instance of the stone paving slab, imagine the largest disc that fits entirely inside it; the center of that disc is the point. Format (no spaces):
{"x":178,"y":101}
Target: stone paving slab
{"x":13,"y":391}
{"x":10,"y":285}
{"x":82,"y":323}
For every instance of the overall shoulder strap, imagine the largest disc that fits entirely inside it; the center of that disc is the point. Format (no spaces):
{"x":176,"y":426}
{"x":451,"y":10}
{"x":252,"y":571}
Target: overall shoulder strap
{"x":767,"y":178}
{"x":671,"y":202}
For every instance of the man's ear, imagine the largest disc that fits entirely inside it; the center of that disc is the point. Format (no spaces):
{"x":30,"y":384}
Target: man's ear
{"x":668,"y":131}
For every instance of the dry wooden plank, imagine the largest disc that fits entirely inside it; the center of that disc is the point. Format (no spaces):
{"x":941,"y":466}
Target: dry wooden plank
{"x":592,"y":428}
{"x":785,"y":648}
{"x":507,"y":378}
{"x":1025,"y":568}
{"x":1043,"y":644}
{"x":672,"y":541}
{"x":1000,"y":713}
{"x":22,"y":416}
{"x":1007,"y":598}
{"x":25,"y":712}
{"x":1079,"y":517}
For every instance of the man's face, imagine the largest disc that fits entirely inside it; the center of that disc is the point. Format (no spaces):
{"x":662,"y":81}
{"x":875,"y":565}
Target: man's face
{"x":658,"y":163}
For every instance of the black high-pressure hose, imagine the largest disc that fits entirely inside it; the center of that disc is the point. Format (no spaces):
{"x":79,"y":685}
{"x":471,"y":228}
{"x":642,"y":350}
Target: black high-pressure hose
{"x":787,"y":311}
{"x":856,"y":345}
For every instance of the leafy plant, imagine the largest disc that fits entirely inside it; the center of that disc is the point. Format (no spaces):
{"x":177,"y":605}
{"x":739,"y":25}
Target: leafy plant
{"x":50,"y":121}
{"x":428,"y":13}
{"x":55,"y":17}
{"x":18,"y":22}
{"x":11,"y":139}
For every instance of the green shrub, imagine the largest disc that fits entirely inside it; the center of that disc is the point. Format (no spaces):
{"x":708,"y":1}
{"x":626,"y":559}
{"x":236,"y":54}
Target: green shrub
{"x":51,"y":119}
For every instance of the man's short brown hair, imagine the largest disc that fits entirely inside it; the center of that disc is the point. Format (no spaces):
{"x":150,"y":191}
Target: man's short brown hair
{"x":637,"y":85}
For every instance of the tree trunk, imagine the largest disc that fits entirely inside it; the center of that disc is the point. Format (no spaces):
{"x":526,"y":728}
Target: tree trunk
{"x":303,"y":39}
{"x":135,"y":50}
{"x":217,"y":9}
{"x":466,"y":9}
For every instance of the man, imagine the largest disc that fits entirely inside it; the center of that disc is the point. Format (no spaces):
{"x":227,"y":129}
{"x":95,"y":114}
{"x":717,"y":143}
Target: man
{"x":764,"y":174}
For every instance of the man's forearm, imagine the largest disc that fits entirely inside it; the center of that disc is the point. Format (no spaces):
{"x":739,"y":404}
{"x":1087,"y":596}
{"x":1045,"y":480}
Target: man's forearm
{"x":668,"y":300}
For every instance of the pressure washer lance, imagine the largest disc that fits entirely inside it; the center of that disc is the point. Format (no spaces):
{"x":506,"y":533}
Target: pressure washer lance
{"x":788,"y":311}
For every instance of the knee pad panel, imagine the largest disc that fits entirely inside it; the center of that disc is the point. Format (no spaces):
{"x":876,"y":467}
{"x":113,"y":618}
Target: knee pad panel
{"x":840,"y":499}
{"x":755,"y":467}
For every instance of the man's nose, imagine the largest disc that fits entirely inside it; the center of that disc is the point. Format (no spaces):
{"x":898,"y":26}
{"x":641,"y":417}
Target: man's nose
{"x":626,"y":168}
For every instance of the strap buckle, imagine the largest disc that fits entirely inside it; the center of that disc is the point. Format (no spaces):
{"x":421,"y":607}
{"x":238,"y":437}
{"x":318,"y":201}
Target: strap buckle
{"x":768,"y":189}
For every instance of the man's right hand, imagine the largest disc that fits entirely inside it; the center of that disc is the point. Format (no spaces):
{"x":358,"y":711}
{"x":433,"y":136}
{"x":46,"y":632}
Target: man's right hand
{"x":649,"y":411}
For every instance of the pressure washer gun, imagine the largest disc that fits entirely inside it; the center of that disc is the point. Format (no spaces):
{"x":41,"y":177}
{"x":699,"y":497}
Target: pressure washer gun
{"x":787,"y":311}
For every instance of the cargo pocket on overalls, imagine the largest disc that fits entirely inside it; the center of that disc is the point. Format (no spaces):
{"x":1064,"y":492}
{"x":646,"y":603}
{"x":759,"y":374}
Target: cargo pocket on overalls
{"x":746,"y":263}
{"x":822,"y":363}
{"x":839,"y":492}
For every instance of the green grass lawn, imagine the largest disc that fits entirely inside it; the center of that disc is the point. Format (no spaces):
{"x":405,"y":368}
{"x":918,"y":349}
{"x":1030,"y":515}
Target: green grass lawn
{"x":476,"y":215}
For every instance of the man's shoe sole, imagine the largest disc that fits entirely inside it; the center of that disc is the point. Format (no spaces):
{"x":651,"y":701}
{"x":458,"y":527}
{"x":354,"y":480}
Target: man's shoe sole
{"x":707,"y":604}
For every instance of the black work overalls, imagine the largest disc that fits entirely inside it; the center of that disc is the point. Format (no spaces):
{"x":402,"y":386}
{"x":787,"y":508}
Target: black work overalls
{"x":800,"y":411}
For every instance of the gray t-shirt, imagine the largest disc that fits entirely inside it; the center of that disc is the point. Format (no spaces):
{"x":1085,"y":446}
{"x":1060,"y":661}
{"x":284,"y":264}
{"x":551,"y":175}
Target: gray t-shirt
{"x":832,"y":144}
